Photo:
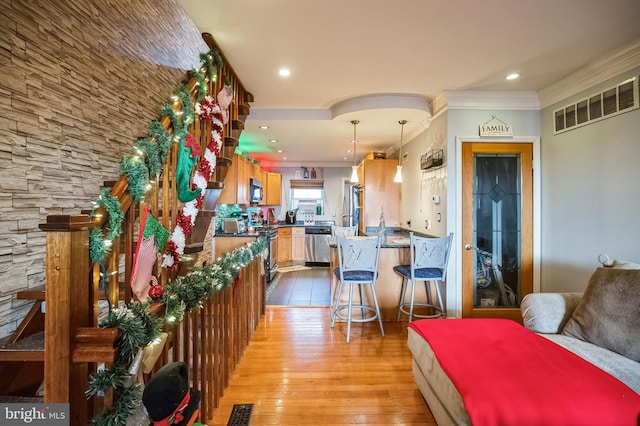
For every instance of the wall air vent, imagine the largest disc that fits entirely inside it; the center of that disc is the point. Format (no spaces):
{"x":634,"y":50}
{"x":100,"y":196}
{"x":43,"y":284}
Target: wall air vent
{"x":614,"y":101}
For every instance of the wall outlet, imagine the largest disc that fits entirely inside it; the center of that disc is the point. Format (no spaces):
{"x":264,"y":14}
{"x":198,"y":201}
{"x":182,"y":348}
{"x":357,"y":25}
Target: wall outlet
{"x":427,"y":224}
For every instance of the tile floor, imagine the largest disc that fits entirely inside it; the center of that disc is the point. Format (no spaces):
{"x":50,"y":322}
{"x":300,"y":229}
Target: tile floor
{"x":301,"y":288}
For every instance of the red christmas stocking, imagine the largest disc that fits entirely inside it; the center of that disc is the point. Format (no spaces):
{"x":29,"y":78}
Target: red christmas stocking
{"x":151,"y":239}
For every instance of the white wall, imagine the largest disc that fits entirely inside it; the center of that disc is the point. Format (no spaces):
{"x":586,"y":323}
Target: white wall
{"x":463,"y":124}
{"x":333,"y":182}
{"x":590,"y":194}
{"x":419,"y":187}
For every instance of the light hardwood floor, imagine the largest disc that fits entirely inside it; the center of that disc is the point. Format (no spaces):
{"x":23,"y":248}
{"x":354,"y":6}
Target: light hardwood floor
{"x":299,"y":371}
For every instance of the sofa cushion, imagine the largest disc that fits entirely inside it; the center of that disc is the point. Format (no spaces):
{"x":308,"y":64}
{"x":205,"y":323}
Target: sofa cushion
{"x":609,"y":313}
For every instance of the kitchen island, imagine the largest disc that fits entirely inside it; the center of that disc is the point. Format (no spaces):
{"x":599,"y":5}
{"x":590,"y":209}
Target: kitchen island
{"x":394,"y":251}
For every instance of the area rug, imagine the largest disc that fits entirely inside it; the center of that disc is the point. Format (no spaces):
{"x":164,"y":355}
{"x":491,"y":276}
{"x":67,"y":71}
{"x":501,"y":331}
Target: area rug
{"x":292,"y":268}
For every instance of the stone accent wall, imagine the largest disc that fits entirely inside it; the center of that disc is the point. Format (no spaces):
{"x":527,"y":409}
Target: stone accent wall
{"x":79,"y":82}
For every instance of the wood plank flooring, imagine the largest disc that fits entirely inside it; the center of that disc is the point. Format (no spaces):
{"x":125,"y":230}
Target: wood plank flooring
{"x":299,"y":371}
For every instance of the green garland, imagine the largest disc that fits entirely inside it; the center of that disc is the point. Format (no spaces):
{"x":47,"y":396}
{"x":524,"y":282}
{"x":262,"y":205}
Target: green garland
{"x":137,"y":326}
{"x":116,"y":216}
{"x":202,"y":83}
{"x":137,"y":176}
{"x":188,"y":110}
{"x":163,"y":139}
{"x":212,"y":62}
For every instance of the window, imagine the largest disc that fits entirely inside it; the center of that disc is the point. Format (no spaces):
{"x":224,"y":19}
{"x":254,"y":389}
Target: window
{"x":307,"y":193}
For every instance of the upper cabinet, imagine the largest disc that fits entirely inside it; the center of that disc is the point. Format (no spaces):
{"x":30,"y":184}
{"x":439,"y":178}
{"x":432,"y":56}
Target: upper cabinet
{"x":378,"y":191}
{"x":273,"y":189}
{"x":236,"y":183}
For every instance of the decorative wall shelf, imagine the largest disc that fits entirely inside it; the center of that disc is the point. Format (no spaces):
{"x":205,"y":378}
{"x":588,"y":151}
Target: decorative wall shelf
{"x":431,"y":159}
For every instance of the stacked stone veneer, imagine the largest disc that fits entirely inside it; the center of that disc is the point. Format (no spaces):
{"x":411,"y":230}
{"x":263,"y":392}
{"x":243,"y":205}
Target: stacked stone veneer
{"x":79,"y":82}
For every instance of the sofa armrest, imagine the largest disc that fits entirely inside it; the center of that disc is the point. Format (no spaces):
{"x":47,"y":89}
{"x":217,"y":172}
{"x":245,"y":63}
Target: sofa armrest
{"x":548,"y":312}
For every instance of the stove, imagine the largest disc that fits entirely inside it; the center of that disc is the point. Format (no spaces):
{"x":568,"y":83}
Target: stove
{"x":272,"y":257}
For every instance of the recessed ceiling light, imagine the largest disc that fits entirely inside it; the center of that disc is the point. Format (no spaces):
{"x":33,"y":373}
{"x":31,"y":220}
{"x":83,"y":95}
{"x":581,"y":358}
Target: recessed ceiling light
{"x":279,"y":151}
{"x":273,"y":140}
{"x":512,"y":76}
{"x":284,"y":158}
{"x":264,"y":127}
{"x":284,"y":72}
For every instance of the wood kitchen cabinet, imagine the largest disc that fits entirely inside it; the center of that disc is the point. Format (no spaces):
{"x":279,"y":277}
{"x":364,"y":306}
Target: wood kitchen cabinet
{"x":284,"y":244}
{"x":378,"y":191}
{"x":297,"y":244}
{"x":236,"y":183}
{"x":261,"y":176}
{"x":273,"y":189}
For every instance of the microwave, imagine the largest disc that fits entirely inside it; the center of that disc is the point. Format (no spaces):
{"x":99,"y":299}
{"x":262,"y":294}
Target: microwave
{"x":255,"y":191}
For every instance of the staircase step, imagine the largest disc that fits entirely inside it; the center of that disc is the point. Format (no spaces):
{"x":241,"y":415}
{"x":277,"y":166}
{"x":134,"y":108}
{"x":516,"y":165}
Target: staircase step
{"x":30,"y":348}
{"x":243,"y":111}
{"x":222,"y":168}
{"x":237,"y":127}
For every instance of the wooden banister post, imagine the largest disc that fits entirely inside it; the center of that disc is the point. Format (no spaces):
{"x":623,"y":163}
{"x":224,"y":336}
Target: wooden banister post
{"x":68,"y":306}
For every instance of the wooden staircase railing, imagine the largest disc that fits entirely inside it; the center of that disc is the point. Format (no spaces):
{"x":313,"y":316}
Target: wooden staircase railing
{"x":210,"y":339}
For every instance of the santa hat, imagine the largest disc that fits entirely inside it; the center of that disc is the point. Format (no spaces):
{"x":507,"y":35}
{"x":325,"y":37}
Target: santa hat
{"x":168,"y":398}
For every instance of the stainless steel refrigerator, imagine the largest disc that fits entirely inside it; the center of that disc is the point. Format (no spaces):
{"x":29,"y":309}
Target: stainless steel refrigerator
{"x":350,"y":203}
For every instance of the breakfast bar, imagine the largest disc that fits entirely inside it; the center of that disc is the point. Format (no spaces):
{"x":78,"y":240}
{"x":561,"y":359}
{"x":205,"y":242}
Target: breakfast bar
{"x":394,"y":251}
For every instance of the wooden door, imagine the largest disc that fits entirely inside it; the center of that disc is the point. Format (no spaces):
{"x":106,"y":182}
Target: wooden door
{"x":497,"y":228}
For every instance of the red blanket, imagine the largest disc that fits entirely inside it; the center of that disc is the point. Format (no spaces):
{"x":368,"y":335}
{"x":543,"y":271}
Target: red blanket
{"x":508,"y":375}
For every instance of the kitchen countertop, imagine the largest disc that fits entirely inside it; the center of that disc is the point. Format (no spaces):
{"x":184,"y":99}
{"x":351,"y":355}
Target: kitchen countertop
{"x":282,"y":224}
{"x":396,"y":237}
{"x":243,"y":234}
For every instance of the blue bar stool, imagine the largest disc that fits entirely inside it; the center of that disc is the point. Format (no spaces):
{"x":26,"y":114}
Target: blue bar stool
{"x":358,"y":265}
{"x":429,"y":257}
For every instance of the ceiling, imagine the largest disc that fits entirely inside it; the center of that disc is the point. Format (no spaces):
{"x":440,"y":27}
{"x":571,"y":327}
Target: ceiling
{"x":380,"y":61}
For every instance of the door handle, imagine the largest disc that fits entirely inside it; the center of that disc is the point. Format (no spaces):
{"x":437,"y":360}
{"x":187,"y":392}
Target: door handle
{"x":468,"y":247}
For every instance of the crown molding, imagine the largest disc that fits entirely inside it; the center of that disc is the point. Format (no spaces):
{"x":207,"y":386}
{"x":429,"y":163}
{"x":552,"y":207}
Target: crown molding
{"x":610,"y":66}
{"x":490,"y":100}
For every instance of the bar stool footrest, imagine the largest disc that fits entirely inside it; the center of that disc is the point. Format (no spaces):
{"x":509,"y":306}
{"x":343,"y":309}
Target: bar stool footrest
{"x":359,"y":307}
{"x":404,"y":308}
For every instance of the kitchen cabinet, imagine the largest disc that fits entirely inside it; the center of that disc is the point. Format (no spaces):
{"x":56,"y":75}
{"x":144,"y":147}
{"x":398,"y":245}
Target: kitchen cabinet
{"x":236,"y":183}
{"x":261,"y":176}
{"x":284,"y":244}
{"x":297,"y":244}
{"x":378,"y":191}
{"x":273,"y":189}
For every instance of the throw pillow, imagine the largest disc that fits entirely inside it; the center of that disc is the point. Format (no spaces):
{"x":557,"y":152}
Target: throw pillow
{"x":609,"y":313}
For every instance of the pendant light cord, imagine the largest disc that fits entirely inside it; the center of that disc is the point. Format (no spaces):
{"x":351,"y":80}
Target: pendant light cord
{"x":355,"y":123}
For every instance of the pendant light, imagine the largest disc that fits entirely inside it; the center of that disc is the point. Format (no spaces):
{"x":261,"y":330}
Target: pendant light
{"x":398,"y":177}
{"x":354,"y":168}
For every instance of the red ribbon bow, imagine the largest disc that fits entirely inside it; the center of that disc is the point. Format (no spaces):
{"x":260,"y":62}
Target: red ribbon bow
{"x":176,"y":416}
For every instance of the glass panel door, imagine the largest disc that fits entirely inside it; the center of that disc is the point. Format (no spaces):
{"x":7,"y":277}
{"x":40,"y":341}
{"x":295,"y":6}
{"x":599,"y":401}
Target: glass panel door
{"x":497,"y":201}
{"x":496,"y":228}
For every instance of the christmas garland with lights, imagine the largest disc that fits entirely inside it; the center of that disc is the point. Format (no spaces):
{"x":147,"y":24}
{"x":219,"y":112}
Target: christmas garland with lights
{"x":137,"y":327}
{"x":208,"y":109}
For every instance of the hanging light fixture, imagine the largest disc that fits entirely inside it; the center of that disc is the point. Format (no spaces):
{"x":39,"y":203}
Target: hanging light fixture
{"x":354,"y":168}
{"x":398,"y":177}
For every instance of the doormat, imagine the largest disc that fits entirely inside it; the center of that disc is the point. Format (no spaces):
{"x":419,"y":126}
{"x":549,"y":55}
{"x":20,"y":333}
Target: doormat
{"x":293,"y":268}
{"x":240,"y":415}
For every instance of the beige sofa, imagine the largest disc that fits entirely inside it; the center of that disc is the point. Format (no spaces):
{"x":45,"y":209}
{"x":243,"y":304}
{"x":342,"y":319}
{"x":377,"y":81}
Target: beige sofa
{"x":601,"y":325}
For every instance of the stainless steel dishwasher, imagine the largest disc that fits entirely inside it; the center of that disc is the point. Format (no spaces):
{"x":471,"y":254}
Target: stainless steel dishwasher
{"x":316,"y":245}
